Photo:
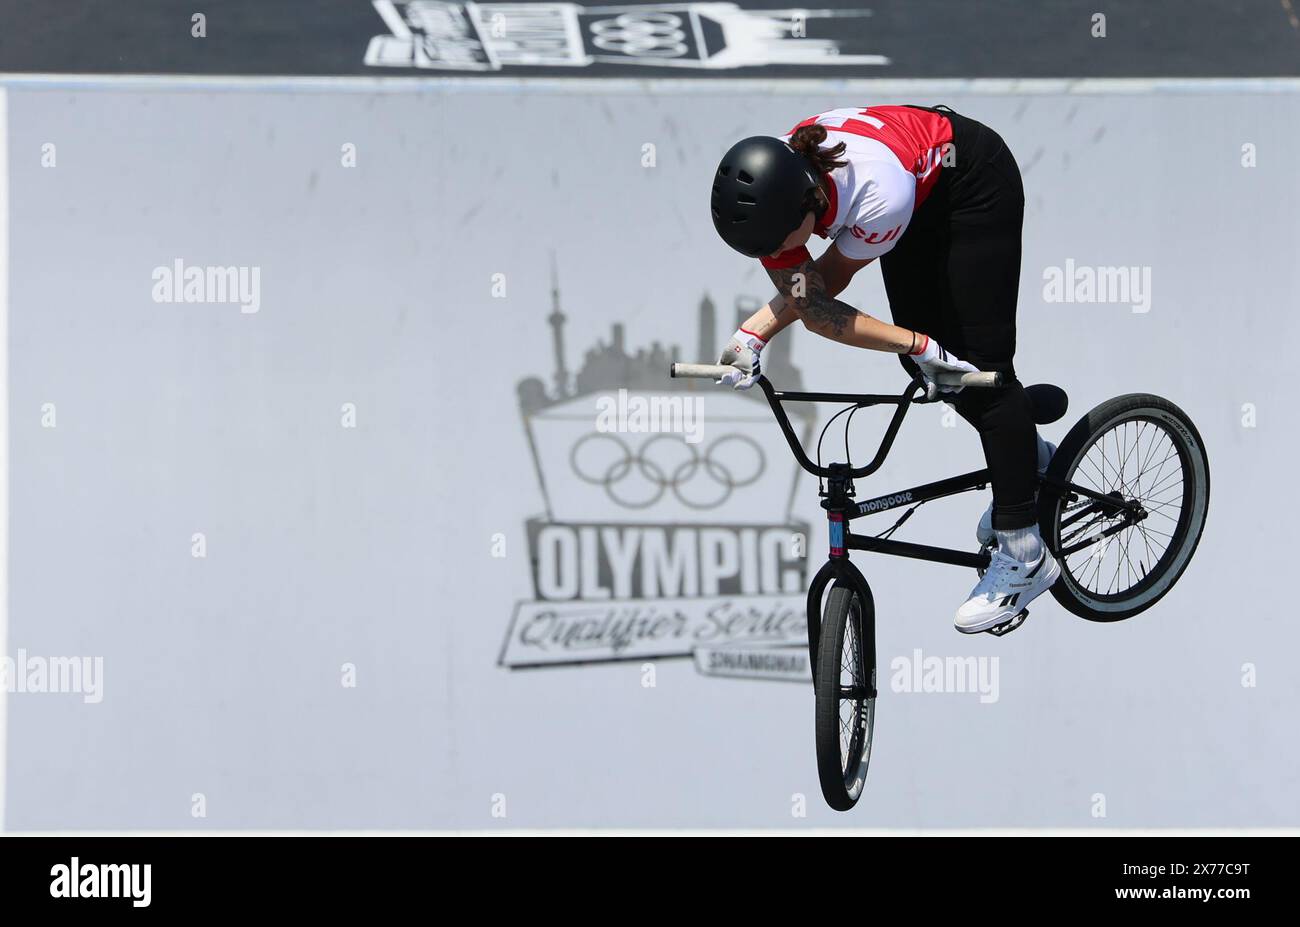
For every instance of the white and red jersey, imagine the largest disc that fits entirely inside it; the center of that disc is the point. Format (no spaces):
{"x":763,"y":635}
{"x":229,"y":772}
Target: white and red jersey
{"x":894,"y":155}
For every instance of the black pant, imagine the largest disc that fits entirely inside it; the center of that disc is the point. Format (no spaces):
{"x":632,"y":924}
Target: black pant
{"x":954,"y":275}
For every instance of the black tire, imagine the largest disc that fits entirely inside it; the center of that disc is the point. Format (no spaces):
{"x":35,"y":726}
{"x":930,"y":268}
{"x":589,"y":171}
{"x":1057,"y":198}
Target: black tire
{"x":845,"y":679}
{"x":1143,"y":430}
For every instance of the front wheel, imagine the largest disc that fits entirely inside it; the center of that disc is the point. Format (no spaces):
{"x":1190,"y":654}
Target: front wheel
{"x":845,"y":683}
{"x":1116,"y":563}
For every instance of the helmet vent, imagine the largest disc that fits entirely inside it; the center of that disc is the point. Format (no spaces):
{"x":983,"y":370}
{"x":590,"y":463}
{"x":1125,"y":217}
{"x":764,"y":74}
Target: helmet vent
{"x":745,"y":177}
{"x":746,"y":200}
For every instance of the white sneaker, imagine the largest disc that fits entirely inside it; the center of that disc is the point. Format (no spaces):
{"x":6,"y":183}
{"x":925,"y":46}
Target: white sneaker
{"x":1006,"y":588}
{"x":984,"y":530}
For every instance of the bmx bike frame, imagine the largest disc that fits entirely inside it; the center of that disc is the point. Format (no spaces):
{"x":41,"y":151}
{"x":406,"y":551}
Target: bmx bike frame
{"x":838,"y":499}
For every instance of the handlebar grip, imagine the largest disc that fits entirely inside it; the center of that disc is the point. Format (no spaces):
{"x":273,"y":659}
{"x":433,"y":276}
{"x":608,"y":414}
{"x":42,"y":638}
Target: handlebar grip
{"x":700,"y":371}
{"x":992,"y":378}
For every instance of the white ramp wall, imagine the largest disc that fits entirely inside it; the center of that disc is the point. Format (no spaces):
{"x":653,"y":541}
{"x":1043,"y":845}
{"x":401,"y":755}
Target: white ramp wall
{"x":357,"y":461}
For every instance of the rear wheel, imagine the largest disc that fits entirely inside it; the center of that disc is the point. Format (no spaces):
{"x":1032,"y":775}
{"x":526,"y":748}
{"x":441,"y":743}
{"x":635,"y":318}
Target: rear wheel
{"x":1139,"y":449}
{"x":845,"y":683}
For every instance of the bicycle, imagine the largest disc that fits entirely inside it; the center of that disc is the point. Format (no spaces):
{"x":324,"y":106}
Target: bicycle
{"x":1121,"y":512}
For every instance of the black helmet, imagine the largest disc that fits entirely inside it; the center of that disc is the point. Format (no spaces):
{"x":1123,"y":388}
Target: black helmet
{"x":760,"y":194}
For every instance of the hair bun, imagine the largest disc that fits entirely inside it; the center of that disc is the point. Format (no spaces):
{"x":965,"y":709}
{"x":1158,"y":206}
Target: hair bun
{"x":807,"y":141}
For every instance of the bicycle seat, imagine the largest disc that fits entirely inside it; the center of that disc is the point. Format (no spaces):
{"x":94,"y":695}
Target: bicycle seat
{"x":1046,"y":402}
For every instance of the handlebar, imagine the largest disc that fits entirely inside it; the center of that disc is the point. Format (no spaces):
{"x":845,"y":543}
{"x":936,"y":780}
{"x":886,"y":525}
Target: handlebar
{"x":699,"y":371}
{"x":982,"y":378}
{"x":979,"y":379}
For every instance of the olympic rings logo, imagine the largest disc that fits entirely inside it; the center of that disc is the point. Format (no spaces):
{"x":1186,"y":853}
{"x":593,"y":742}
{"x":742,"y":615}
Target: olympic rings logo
{"x":655,"y":35}
{"x":638,"y":479}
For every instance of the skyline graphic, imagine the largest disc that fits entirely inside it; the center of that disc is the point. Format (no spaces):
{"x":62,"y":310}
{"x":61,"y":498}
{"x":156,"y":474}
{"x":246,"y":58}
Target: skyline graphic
{"x":609,"y":365}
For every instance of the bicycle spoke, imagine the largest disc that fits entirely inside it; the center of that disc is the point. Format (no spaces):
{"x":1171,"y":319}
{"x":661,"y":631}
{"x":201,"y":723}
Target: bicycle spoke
{"x":851,"y":695}
{"x":1139,"y":461}
{"x":1146,"y":543}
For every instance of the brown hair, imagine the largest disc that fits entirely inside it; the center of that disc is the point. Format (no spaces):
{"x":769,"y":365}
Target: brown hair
{"x":807,"y":141}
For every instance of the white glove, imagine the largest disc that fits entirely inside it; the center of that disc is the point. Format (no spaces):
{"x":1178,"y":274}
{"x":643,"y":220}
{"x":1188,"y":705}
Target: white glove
{"x":742,"y":352}
{"x":933,"y":360}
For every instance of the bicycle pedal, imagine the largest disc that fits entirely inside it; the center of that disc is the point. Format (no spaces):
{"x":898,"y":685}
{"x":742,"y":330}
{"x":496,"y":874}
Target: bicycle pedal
{"x":1008,"y":626}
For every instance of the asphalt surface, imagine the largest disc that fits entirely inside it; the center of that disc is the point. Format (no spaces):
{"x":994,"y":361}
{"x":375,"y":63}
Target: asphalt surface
{"x":891,"y":38}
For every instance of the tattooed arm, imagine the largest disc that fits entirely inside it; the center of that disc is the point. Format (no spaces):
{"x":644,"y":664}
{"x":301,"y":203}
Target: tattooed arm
{"x":806,"y":293}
